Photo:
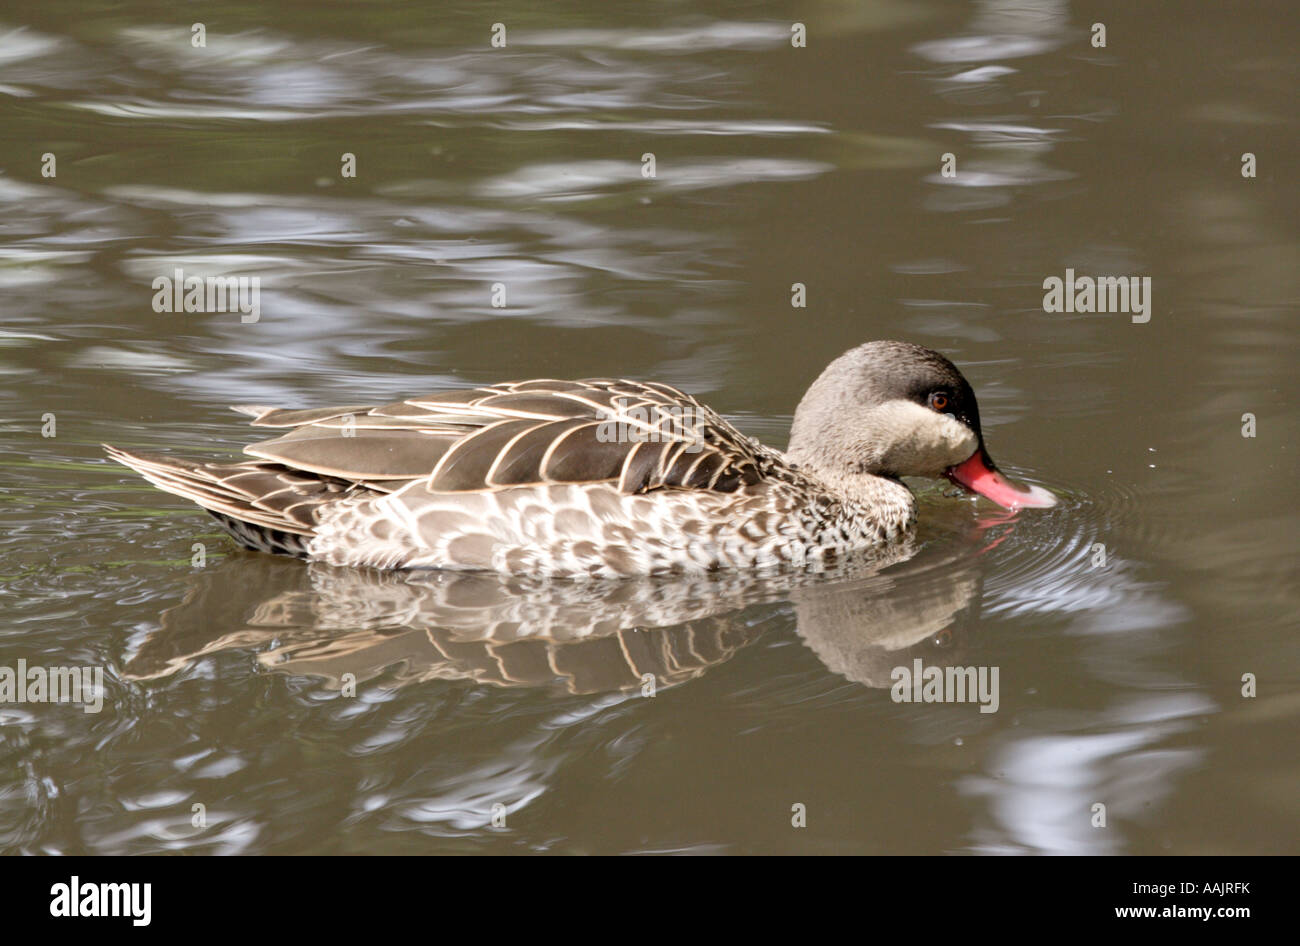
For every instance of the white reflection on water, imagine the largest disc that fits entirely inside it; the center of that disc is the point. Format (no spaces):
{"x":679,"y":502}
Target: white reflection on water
{"x":1041,"y":795}
{"x":516,"y":775}
{"x":335,"y":294}
{"x":1004,"y":29}
{"x":19,"y":44}
{"x":1006,"y":151}
{"x":264,"y":77}
{"x":583,"y":180}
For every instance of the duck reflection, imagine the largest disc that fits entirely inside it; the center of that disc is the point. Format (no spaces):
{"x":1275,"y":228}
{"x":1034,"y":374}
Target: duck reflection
{"x":918,"y":599}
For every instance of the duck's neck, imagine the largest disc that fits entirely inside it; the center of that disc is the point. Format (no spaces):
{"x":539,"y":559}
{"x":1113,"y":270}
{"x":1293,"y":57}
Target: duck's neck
{"x":868,"y":489}
{"x":883,"y":498}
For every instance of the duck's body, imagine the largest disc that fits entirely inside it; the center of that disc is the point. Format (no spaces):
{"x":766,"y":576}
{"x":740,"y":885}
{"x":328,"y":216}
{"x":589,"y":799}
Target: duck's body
{"x":598,"y":478}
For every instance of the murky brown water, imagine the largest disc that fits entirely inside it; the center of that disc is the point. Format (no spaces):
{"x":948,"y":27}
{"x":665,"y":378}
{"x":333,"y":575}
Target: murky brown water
{"x":1120,"y":684}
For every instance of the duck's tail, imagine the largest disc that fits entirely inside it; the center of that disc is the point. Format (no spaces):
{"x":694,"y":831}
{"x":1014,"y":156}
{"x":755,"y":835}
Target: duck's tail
{"x":265,"y":506}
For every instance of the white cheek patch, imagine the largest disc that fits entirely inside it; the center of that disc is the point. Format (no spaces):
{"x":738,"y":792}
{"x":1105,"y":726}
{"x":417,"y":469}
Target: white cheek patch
{"x":916,"y":441}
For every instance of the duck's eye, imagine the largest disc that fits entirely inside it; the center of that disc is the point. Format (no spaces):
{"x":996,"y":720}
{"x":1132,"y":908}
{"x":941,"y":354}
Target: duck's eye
{"x":939,"y":401}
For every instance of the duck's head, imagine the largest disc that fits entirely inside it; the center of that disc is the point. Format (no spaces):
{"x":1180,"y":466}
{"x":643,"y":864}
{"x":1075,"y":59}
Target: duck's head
{"x":897,"y":409}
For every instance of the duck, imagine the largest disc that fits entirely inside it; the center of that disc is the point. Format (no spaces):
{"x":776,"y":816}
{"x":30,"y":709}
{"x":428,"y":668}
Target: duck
{"x":600,"y":478}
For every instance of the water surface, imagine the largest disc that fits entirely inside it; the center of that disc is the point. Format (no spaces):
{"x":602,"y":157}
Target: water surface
{"x":1121,"y":622}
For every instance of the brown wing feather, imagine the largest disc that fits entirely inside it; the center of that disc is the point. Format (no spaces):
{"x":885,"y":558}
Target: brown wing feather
{"x":643,"y":436}
{"x":401,"y":453}
{"x":276,"y":417}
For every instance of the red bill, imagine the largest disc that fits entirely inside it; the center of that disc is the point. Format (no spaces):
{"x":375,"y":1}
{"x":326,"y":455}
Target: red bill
{"x":979,"y":475}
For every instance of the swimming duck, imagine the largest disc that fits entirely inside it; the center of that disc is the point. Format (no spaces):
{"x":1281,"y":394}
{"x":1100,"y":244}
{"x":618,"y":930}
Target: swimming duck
{"x":602,"y":477}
